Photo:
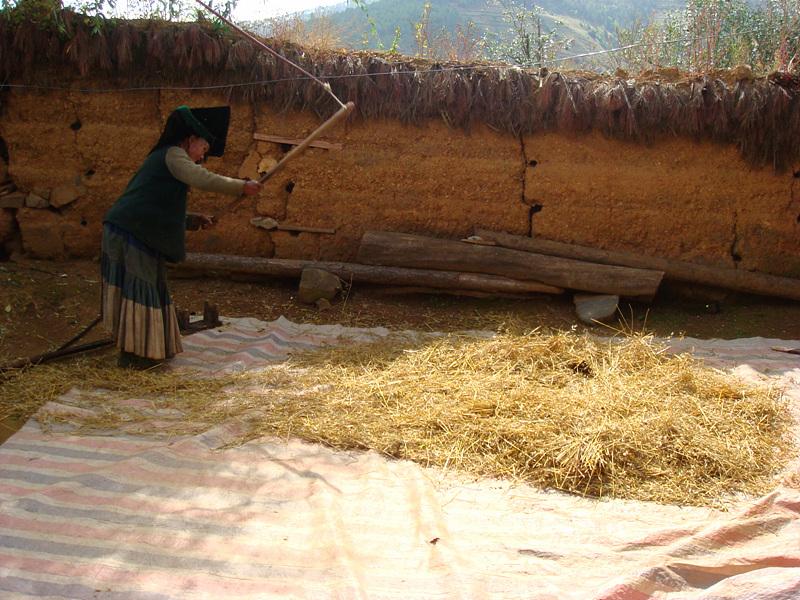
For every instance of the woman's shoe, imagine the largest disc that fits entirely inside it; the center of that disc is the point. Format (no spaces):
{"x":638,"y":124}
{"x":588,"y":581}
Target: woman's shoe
{"x":129,"y":360}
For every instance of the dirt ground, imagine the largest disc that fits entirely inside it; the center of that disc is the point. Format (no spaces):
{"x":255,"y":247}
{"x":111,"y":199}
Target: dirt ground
{"x":44,"y":303}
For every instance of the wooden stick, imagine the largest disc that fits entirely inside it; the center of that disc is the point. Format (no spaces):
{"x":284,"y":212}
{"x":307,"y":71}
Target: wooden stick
{"x":732,"y":279}
{"x":67,"y":350}
{"x":299,"y":149}
{"x":48,"y":356}
{"x":88,"y":328}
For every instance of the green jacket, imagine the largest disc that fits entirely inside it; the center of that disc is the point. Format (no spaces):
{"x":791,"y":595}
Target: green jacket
{"x":153,"y":208}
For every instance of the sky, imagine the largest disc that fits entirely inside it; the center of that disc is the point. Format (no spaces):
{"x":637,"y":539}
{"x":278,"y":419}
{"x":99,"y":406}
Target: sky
{"x":248,"y":10}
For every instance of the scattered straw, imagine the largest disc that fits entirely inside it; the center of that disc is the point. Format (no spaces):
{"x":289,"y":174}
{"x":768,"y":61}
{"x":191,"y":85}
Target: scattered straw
{"x":564,"y":411}
{"x":24,"y":392}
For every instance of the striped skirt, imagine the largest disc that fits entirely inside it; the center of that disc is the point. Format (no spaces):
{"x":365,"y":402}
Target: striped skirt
{"x":136,"y":305}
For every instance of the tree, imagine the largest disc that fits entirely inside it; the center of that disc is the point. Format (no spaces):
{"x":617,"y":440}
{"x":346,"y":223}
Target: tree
{"x":527,"y":40}
{"x":713,"y":34}
{"x":99,"y":10}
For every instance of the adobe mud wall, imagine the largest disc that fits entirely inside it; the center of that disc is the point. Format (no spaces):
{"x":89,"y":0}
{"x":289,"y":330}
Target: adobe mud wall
{"x":72,"y":154}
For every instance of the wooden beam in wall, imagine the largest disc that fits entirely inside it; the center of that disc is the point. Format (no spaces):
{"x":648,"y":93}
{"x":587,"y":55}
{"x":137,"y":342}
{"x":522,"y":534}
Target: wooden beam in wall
{"x":264,"y":137}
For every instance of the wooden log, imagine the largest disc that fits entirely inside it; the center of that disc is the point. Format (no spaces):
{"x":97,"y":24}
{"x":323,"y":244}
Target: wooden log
{"x":732,"y":279}
{"x":415,"y":251}
{"x":198,"y":263}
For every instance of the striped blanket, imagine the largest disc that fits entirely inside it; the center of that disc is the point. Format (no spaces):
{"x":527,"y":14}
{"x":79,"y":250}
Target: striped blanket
{"x":127,"y":517}
{"x":247,"y":343}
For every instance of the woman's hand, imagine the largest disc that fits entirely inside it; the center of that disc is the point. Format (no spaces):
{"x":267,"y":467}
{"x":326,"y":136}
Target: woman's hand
{"x":195,"y":221}
{"x":206,"y":221}
{"x":251,"y":188}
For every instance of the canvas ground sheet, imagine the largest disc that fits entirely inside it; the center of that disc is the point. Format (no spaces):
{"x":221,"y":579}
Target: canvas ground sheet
{"x":121,"y":516}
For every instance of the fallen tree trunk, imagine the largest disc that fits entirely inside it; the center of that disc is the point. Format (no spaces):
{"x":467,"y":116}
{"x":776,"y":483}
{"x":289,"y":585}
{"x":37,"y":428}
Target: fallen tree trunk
{"x":677,"y":270}
{"x":276,"y":267}
{"x":405,"y":250}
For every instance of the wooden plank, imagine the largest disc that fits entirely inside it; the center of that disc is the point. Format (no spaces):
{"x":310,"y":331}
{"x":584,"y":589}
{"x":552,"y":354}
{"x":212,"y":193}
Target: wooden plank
{"x":13,"y":200}
{"x":198,"y":263}
{"x":277,"y":139}
{"x":409,"y":291}
{"x":420,"y":252}
{"x":303,"y":228}
{"x":732,"y":279}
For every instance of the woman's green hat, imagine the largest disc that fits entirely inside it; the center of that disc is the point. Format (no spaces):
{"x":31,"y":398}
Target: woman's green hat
{"x":210,"y":124}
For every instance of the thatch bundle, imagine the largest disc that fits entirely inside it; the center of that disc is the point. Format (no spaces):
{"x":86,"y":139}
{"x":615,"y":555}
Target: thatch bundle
{"x":761,"y":116}
{"x":565,"y":411}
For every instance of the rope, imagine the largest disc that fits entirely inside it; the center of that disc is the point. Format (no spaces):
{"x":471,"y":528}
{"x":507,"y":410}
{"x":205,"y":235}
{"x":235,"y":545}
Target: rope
{"x":258,"y":42}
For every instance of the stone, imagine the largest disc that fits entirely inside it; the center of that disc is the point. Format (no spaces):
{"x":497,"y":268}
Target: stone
{"x":13,"y":200}
{"x":41,"y":231}
{"x":66,"y":194}
{"x":323,"y":305}
{"x":267,"y":223}
{"x":249,"y":168}
{"x":592,"y":308}
{"x":266,"y":164}
{"x":42,"y":192}
{"x":36,"y":201}
{"x":8,"y":225}
{"x":316,"y":284}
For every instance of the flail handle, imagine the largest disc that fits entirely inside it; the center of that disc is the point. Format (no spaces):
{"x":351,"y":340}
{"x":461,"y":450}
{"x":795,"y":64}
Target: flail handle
{"x":301,"y":147}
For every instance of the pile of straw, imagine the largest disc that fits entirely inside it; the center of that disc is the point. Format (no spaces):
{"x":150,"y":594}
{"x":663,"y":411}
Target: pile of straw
{"x":563,"y":410}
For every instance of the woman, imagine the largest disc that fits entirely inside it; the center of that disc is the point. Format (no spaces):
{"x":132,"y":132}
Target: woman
{"x":146,"y":226}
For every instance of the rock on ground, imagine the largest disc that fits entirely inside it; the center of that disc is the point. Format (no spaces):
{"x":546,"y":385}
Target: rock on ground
{"x":592,"y":308}
{"x":316,"y":284}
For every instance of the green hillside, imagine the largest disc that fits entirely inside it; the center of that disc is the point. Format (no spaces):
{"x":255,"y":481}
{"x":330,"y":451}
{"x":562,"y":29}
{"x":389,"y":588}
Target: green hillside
{"x":591,"y":24}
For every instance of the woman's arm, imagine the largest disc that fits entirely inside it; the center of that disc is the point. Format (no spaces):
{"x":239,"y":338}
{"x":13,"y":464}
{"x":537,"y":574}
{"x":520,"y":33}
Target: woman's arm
{"x":183,"y":169}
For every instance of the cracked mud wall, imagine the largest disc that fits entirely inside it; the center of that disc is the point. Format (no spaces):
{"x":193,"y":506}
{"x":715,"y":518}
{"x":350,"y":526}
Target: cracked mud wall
{"x":698,"y":202}
{"x":386,"y":176}
{"x":676,"y":199}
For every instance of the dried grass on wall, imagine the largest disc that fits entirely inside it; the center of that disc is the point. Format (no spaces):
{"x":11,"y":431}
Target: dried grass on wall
{"x":761,"y":116}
